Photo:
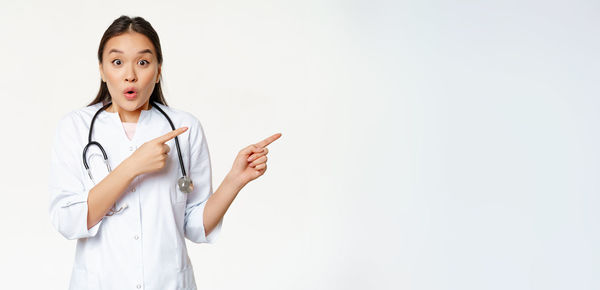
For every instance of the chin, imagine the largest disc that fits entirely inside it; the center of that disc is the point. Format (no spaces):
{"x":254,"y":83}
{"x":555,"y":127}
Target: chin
{"x":129,"y":105}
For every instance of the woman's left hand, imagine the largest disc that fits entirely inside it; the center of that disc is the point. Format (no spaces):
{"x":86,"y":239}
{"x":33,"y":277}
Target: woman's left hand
{"x":251,"y":162}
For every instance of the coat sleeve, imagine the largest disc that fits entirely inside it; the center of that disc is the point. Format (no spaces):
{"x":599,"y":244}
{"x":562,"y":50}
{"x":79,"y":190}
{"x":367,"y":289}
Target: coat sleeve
{"x":68,"y":197}
{"x":201,"y":174}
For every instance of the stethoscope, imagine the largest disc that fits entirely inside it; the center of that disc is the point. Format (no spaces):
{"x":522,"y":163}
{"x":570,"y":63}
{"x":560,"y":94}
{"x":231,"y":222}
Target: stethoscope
{"x":185,"y":182}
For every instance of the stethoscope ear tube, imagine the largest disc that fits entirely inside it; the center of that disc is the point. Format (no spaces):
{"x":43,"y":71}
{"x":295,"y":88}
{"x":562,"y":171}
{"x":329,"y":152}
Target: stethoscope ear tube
{"x":103,"y":154}
{"x":85,"y":164}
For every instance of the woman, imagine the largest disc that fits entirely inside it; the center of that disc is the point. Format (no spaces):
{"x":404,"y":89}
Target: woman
{"x":130,"y":222}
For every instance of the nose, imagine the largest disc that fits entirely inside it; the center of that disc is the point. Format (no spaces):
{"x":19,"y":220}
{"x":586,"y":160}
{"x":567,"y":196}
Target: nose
{"x":130,"y":75}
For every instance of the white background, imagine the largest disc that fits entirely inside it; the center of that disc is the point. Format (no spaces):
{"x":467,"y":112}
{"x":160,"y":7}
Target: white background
{"x":426,"y":144}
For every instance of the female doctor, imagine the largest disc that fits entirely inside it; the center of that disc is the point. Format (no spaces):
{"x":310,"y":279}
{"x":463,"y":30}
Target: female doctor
{"x":118,"y":186}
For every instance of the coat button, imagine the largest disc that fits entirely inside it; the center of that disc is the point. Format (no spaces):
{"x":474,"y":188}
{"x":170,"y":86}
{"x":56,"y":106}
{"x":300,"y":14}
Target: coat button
{"x":138,"y":286}
{"x":136,"y":237}
{"x":133,"y":190}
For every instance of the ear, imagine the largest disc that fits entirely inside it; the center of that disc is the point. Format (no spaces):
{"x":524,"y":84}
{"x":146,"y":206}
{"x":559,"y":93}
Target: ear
{"x":101,"y":72}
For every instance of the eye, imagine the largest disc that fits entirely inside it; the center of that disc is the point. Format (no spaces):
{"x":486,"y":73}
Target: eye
{"x":116,"y":60}
{"x":143,"y":60}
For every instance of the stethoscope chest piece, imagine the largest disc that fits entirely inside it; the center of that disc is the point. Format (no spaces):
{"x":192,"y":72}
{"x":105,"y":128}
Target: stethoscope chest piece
{"x":185,"y":184}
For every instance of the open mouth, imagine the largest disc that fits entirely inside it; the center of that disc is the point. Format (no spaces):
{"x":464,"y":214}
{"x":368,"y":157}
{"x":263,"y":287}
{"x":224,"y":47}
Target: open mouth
{"x":130,"y":92}
{"x":130,"y":95}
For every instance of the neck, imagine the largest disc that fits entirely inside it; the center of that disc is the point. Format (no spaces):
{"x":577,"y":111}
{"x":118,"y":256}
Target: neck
{"x":128,"y":116}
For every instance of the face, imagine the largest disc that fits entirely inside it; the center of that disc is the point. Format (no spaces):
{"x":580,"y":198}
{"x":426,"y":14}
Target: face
{"x":129,"y":63}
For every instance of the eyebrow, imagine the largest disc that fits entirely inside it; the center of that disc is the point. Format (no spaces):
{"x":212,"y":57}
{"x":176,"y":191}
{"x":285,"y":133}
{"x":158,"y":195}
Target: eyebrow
{"x":139,"y":52}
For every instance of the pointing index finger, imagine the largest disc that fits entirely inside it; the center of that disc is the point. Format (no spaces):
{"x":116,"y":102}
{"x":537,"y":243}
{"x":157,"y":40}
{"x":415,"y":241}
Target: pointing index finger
{"x":170,"y":135}
{"x":268,"y":141}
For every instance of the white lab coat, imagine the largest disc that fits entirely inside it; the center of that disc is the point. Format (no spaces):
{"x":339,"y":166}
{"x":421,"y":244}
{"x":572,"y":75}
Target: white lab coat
{"x":142,"y":247}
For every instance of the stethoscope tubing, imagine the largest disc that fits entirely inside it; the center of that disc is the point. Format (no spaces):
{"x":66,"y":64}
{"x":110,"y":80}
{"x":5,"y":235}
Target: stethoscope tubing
{"x":90,"y":142}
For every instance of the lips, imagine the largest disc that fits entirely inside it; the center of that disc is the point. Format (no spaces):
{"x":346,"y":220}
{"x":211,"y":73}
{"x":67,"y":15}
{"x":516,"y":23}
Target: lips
{"x":130,"y":93}
{"x":130,"y":90}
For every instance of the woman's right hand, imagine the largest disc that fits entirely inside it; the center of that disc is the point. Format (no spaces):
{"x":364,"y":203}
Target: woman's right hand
{"x":152,"y":155}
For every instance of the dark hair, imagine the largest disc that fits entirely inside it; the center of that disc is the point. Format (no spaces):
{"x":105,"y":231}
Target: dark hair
{"x":122,"y":25}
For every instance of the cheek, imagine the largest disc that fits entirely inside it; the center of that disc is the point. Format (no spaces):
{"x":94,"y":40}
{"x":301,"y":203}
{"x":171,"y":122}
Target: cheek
{"x":147,"y":75}
{"x":112,"y":78}
{"x":111,"y":88}
{"x":148,"y":78}
{"x":111,"y":73}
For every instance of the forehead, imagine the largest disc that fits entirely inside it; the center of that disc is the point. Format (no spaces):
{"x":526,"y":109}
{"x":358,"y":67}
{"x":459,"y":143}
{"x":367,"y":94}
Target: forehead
{"x":129,"y":43}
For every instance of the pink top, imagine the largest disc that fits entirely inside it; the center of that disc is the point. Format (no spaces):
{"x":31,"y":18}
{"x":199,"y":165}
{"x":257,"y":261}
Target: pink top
{"x":129,"y":129}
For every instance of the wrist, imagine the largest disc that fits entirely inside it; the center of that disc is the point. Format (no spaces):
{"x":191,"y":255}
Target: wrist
{"x":127,"y":169}
{"x":234,"y":181}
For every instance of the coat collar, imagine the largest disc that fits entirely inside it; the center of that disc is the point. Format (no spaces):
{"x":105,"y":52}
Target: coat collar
{"x":145,"y":115}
